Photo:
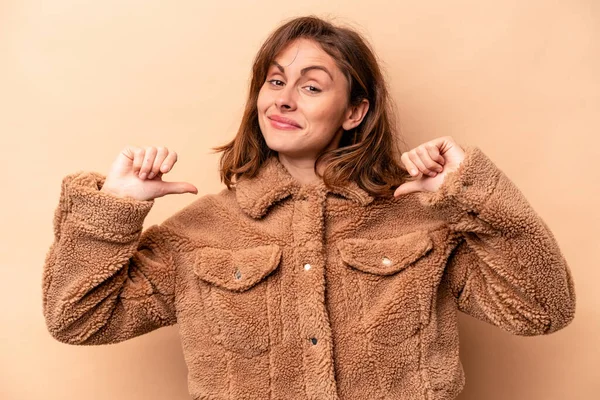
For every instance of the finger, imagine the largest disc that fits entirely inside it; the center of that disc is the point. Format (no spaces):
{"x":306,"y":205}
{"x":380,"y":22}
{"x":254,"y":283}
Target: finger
{"x":169,"y":161}
{"x":148,"y":161}
{"x":161,"y":154}
{"x":177,"y":188}
{"x":416,"y":159}
{"x":408,"y":164}
{"x":407,"y":187}
{"x":434,"y":153}
{"x":138,"y":159}
{"x":430,"y":165}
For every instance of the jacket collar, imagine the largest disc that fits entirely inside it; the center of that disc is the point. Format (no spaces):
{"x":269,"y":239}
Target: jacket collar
{"x":273,"y":183}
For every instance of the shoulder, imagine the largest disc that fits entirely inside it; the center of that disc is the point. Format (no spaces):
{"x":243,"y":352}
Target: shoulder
{"x":409,"y":211}
{"x":205,"y":221}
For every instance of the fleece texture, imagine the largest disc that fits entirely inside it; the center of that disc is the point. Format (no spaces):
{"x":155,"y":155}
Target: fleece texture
{"x":289,"y":291}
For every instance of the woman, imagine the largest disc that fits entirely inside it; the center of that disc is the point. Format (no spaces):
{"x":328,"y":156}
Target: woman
{"x":324,"y":270}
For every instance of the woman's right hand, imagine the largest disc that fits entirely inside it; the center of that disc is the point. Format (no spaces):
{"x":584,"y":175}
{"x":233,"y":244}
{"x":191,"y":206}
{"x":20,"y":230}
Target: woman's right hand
{"x":137,"y":173}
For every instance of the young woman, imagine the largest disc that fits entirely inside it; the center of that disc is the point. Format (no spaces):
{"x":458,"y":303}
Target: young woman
{"x":332,"y":266}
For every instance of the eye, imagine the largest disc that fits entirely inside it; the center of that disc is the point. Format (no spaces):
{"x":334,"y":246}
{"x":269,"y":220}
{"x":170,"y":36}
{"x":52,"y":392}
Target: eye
{"x":313,"y":89}
{"x":275,"y":82}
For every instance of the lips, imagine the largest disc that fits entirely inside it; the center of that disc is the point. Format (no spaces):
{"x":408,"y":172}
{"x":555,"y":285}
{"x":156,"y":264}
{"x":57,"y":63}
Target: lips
{"x":283,"y":122}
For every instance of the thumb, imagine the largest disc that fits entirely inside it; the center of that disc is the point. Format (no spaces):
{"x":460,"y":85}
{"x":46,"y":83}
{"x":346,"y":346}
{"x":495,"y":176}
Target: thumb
{"x":178,"y":188}
{"x":408,"y":187}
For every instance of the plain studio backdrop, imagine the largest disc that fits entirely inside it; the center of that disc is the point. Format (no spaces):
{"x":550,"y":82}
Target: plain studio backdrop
{"x":80,"y":79}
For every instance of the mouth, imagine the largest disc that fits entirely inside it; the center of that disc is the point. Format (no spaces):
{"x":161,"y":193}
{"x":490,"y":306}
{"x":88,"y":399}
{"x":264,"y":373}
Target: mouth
{"x":283,"y":123}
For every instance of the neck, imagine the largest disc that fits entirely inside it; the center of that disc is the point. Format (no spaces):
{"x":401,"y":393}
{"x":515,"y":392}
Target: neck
{"x":301,"y":169}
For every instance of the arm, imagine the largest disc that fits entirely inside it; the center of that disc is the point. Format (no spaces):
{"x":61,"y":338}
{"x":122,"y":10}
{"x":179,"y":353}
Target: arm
{"x":507,"y":268}
{"x":104,"y":281}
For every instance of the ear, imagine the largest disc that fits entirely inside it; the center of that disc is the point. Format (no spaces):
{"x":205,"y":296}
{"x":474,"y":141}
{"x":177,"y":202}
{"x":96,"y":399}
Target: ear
{"x":355,"y":114}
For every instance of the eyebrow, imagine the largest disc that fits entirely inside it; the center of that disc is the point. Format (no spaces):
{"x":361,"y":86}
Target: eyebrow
{"x":305,"y":69}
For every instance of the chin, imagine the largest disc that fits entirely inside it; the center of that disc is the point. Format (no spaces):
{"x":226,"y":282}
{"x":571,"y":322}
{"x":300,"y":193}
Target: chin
{"x":278,"y":145}
{"x":279,"y":140}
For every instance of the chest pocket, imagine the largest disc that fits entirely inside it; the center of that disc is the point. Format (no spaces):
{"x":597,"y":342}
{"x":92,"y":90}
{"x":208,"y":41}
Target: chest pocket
{"x":390,"y":277}
{"x":238,"y":295}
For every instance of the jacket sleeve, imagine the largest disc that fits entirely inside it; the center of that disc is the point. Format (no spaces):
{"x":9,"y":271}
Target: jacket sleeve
{"x":104,"y":281}
{"x":507,"y":268}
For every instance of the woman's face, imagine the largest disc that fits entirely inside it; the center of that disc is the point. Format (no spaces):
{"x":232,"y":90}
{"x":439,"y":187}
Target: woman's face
{"x":303,"y":104}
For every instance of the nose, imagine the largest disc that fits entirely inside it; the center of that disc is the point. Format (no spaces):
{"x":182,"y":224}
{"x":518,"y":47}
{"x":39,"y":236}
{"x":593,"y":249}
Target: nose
{"x":285,"y":99}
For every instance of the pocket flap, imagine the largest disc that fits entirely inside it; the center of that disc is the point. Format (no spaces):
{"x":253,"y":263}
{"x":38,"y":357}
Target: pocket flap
{"x":385,"y":256}
{"x":236,"y":270}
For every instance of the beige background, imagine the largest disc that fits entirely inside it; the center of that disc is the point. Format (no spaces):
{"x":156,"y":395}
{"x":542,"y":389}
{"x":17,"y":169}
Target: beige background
{"x":81,"y":79}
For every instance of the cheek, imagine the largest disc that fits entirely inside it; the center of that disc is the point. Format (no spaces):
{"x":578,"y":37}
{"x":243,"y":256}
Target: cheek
{"x":327,"y":116}
{"x":263,"y":101}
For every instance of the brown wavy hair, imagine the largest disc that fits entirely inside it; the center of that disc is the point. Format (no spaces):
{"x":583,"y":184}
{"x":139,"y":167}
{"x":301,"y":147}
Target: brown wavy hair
{"x":368,"y":154}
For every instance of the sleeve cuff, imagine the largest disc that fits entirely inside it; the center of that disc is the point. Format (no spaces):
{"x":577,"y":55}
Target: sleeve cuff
{"x":81,"y":196}
{"x":466,"y":190}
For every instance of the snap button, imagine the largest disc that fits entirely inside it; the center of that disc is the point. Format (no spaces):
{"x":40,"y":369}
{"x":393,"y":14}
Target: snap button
{"x":237,"y":274}
{"x":313,"y":340}
{"x":307,"y":266}
{"x":386,"y":261}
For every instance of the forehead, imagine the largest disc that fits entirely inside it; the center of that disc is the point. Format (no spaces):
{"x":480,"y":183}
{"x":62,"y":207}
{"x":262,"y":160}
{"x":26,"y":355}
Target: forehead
{"x":302,"y":52}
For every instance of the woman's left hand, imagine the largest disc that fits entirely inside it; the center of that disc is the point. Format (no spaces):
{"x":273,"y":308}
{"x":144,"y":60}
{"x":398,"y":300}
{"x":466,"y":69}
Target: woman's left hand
{"x":434,"y":160}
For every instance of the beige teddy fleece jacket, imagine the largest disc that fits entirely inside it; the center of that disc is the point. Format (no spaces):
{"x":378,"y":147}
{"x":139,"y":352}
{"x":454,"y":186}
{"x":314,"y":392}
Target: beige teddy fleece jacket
{"x":283,"y":291}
